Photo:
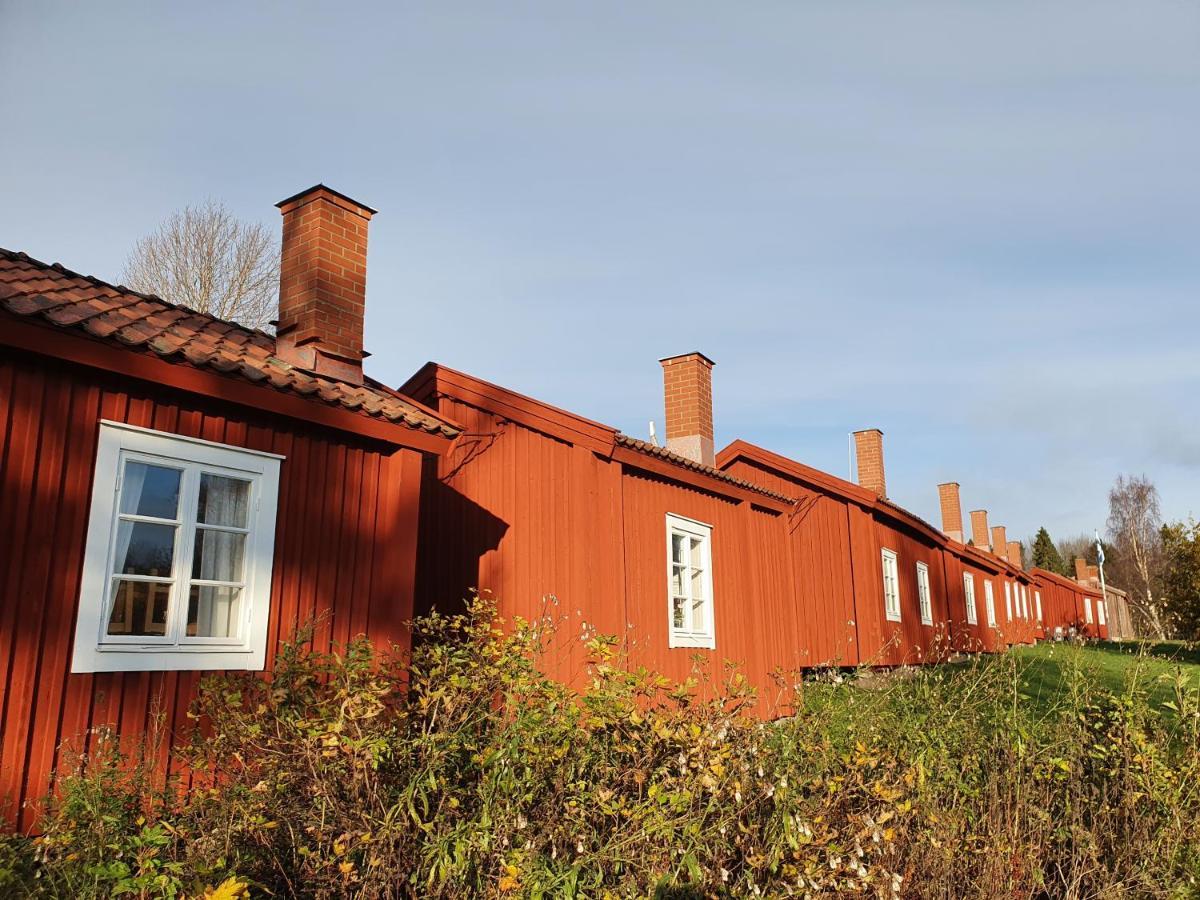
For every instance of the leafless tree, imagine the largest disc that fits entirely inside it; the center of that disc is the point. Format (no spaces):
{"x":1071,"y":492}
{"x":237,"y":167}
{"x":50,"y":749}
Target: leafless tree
{"x":204,"y":258}
{"x":1135,"y":534}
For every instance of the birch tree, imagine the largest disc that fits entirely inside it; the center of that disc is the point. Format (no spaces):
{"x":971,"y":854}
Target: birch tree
{"x":1135,"y":533}
{"x":204,"y":258}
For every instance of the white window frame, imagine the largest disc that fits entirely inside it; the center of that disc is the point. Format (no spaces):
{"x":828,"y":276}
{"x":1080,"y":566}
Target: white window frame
{"x":891,"y":575}
{"x":95,"y":649}
{"x":923,"y":594}
{"x":1024,"y":603}
{"x":1008,"y":607}
{"x":969,"y":598}
{"x":1037,"y":602}
{"x":1100,"y":616}
{"x":704,"y":636}
{"x":1087,"y":610}
{"x":989,"y":602}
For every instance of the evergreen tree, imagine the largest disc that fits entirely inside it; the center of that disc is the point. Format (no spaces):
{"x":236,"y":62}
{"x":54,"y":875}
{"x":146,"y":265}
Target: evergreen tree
{"x":1045,"y":554}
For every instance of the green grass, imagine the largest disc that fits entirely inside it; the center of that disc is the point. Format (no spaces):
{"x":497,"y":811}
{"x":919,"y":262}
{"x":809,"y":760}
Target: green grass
{"x":1047,"y":670}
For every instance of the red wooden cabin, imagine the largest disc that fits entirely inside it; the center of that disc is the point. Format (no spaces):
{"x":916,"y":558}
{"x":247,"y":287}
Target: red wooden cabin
{"x":1070,"y":608}
{"x":804,"y":569}
{"x":180,"y":493}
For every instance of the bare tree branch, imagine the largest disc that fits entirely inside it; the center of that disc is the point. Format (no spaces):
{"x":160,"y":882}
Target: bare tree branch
{"x":204,"y":258}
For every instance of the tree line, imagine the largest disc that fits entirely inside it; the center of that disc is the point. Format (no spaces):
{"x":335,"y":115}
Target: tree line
{"x":1156,"y":563}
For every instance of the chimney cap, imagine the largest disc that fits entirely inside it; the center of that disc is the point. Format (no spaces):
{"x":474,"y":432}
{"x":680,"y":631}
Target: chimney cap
{"x":947,"y":483}
{"x":324,"y":187}
{"x":868,"y":430}
{"x":685,"y":355}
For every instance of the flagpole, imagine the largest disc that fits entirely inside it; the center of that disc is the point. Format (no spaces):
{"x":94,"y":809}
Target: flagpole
{"x":1103,"y":590}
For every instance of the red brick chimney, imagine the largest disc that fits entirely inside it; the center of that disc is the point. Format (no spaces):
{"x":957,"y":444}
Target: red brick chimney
{"x":323,"y":283}
{"x":1014,"y":553}
{"x":868,"y":451}
{"x":979,"y":529}
{"x":1000,"y":541}
{"x":687,"y":390}
{"x":952,"y":523}
{"x":1081,"y":569}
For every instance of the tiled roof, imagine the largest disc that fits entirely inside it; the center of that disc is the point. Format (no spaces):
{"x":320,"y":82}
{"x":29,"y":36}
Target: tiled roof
{"x":145,"y":323}
{"x":675,"y":458}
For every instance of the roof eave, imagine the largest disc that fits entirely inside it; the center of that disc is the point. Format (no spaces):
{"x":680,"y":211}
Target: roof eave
{"x":83,"y":349}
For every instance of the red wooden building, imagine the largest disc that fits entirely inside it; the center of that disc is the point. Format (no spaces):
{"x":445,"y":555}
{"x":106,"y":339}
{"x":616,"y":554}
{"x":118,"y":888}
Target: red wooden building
{"x":179,"y":492}
{"x":1071,"y":609}
{"x":798,"y":568}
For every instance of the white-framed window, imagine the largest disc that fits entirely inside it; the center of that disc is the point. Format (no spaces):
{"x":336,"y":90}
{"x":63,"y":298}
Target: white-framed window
{"x":177,"y":566}
{"x":923,"y":594}
{"x":989,"y":603}
{"x":891,"y":586}
{"x":1008,"y":601}
{"x":1037,"y":602}
{"x":969,"y":597}
{"x":1024,"y":603}
{"x":1100,"y":611}
{"x":689,"y":583}
{"x":1087,"y":609}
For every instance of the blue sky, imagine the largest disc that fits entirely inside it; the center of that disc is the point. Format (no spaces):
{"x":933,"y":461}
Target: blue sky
{"x":974,"y":225}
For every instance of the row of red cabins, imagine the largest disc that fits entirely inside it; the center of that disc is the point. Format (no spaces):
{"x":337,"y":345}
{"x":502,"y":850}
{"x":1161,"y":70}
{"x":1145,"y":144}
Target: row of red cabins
{"x":180,"y":493}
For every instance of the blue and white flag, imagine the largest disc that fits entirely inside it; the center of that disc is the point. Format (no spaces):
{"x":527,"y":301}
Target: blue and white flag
{"x":1099,"y":549}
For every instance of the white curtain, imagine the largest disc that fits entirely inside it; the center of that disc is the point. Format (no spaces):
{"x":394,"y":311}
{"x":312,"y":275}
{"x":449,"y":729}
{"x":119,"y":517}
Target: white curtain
{"x":132,"y":484}
{"x":221,"y":559}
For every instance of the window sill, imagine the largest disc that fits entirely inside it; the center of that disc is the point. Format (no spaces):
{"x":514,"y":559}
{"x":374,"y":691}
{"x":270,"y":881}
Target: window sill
{"x":690,"y":642}
{"x":892,"y":617}
{"x":134,"y":659}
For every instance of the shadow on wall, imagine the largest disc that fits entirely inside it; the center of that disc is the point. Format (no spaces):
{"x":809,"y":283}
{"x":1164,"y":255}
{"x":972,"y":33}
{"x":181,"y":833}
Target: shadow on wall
{"x":457,"y":532}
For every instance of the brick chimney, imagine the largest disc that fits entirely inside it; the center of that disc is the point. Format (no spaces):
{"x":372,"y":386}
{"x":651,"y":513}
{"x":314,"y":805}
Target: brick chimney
{"x":952,"y":523}
{"x":687,"y":390}
{"x":1000,"y":541}
{"x":1081,"y":569}
{"x":1014,"y":553}
{"x":979,"y":529}
{"x":868,"y":450}
{"x":323,"y":283}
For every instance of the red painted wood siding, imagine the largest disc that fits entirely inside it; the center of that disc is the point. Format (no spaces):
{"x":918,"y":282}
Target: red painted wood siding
{"x":840,"y":577}
{"x":526,"y":516}
{"x":345,"y":551}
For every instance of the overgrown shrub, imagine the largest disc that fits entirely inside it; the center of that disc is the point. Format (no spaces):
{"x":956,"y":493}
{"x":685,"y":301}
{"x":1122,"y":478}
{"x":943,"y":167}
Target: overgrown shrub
{"x":465,"y":772}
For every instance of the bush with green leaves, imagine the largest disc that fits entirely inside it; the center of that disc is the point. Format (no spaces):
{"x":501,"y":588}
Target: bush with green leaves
{"x":466,"y":772}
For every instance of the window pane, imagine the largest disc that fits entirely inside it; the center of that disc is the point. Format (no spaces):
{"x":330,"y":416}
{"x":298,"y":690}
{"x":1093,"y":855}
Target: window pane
{"x":697,"y":584}
{"x":223,"y":501}
{"x":214,"y":611}
{"x":144,"y":548}
{"x":677,"y":544}
{"x":218,"y":555}
{"x":150,"y":490}
{"x":697,"y":555}
{"x":698,"y":623}
{"x":139,"y":608}
{"x":677,"y":606}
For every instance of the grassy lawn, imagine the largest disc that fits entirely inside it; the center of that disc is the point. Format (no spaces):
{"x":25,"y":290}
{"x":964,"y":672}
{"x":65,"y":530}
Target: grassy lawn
{"x":1048,"y":670}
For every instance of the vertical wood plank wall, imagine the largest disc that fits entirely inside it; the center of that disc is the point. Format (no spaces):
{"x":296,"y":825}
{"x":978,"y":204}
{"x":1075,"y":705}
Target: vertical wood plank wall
{"x":345,"y":553}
